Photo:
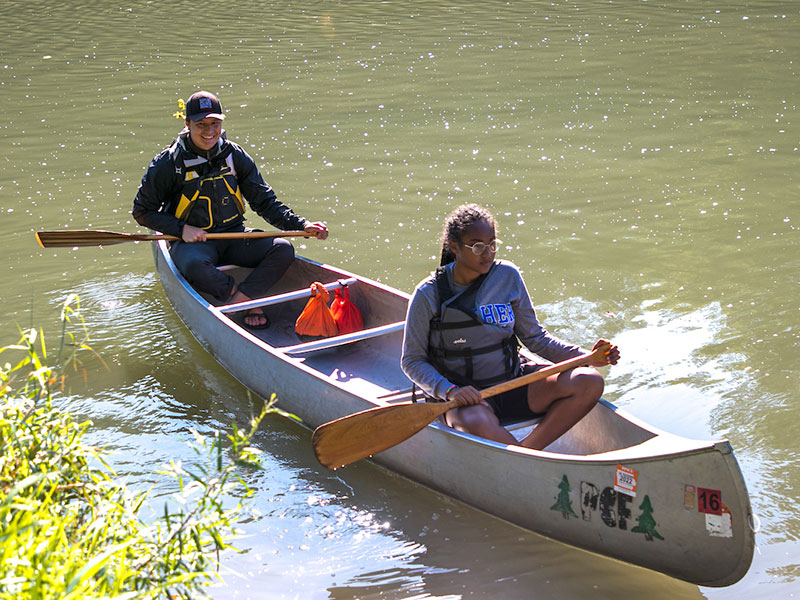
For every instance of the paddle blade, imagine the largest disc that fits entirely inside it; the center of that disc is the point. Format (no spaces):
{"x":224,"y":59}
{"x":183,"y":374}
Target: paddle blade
{"x":55,"y":239}
{"x":368,"y":432}
{"x":71,"y":239}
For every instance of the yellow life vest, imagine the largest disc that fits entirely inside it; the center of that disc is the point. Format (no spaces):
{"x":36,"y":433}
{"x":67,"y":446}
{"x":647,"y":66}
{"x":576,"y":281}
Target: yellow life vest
{"x":212,"y":200}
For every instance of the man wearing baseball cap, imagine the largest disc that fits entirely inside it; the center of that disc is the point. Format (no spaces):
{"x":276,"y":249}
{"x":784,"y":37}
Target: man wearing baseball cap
{"x":202,"y":105}
{"x":198,"y":185}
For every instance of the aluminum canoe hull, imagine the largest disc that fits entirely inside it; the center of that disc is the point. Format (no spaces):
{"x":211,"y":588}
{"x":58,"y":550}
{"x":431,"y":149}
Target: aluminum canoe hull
{"x":613,"y":485}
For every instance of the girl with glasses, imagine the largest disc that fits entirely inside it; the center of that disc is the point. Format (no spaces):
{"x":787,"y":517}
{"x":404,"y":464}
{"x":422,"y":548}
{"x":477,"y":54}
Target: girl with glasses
{"x":463,"y":329}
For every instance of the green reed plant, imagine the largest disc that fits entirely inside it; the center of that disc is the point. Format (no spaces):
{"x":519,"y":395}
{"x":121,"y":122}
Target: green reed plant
{"x":69,"y":528}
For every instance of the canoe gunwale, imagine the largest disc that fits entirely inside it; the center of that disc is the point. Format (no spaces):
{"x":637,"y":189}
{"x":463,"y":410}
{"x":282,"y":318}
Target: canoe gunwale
{"x":632,"y":453}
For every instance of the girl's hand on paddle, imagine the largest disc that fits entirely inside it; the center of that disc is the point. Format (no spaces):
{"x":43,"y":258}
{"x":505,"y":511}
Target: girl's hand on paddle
{"x":465,"y":396}
{"x":611,"y":357}
{"x":319,"y":230}
{"x":193,"y":234}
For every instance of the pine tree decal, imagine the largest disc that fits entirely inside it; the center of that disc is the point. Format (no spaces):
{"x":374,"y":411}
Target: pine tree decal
{"x":647,"y":524}
{"x":563,"y":503}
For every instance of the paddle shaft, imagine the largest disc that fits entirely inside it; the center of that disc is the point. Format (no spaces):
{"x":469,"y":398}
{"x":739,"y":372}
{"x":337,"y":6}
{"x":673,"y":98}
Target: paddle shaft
{"x":544,"y":373}
{"x":362,"y":434}
{"x":73,"y":238}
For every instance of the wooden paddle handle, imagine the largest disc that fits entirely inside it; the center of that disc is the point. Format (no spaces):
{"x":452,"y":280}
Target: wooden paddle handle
{"x":259,"y":234}
{"x":231,"y":235}
{"x":544,"y":373}
{"x":584,"y":359}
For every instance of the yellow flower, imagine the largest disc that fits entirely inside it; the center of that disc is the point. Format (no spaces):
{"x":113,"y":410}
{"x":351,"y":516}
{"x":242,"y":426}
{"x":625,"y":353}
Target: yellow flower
{"x":181,"y":113}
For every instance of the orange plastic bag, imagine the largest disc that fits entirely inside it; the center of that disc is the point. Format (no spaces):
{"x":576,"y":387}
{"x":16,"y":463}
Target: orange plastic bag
{"x":345,"y":313}
{"x":316,"y":318}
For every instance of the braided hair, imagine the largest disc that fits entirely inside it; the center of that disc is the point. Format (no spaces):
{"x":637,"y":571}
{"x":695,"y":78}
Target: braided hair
{"x":457,"y":222}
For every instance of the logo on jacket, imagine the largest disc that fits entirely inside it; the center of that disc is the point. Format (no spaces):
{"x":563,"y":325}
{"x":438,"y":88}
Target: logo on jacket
{"x":497,"y":314}
{"x":460,"y":341}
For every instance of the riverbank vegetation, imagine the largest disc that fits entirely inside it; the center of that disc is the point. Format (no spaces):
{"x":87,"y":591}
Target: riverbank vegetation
{"x":69,"y":526}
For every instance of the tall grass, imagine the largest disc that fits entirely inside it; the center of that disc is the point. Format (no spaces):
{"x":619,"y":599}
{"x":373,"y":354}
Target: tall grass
{"x":69,"y":528}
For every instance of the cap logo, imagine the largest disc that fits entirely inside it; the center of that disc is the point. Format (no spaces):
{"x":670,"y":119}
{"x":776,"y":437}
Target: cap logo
{"x":205,"y":103}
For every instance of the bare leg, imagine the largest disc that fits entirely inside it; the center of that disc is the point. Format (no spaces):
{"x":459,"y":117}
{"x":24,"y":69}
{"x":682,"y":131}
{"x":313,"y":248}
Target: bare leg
{"x":237,"y":296}
{"x":565,"y":399}
{"x":479,"y":420}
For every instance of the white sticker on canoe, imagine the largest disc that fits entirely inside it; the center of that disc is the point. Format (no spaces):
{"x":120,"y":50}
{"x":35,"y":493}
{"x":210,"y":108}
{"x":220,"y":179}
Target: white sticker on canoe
{"x":625,"y":480}
{"x":720,"y":525}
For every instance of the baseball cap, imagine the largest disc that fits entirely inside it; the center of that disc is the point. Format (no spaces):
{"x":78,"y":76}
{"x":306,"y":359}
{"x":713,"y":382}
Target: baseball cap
{"x":203,"y":104}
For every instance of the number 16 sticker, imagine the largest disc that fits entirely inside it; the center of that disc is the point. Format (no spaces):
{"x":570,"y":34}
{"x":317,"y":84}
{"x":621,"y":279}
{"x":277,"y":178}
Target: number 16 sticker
{"x":709,"y":501}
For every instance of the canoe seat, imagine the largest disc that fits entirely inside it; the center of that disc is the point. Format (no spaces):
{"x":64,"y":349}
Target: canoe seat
{"x":521,"y":428}
{"x":287,"y":297}
{"x":341,"y":340}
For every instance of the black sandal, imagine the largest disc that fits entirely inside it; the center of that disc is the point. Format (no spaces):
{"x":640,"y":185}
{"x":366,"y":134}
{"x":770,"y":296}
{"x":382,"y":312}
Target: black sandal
{"x":255,"y":313}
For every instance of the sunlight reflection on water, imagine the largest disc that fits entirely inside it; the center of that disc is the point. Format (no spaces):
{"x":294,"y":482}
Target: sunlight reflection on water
{"x":639,"y":159}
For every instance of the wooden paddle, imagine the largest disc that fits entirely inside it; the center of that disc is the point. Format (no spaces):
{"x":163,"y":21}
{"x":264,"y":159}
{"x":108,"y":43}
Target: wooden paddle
{"x":70,"y":239}
{"x":362,"y":434}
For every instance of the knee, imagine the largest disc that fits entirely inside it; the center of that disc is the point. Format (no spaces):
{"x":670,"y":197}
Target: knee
{"x":196,"y":268}
{"x":282,"y":252}
{"x":189,"y":257}
{"x":589,"y":385}
{"x":477,"y":420}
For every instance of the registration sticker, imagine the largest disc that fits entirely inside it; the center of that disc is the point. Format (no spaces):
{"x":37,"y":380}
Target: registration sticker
{"x":689,"y":493}
{"x":625,"y":480}
{"x":709,"y":501}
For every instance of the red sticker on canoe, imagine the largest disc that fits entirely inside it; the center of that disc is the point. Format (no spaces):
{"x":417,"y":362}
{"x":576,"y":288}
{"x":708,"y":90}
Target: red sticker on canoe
{"x":709,"y":501}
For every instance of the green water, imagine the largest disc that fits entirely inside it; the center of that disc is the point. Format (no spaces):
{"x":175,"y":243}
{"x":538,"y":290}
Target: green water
{"x":641,"y":160}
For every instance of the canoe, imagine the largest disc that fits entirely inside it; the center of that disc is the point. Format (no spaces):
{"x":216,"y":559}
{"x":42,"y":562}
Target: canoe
{"x":612,"y":485}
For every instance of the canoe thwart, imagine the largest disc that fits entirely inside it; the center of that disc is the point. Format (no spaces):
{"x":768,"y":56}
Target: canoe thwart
{"x":341,"y":340}
{"x":286,"y":297}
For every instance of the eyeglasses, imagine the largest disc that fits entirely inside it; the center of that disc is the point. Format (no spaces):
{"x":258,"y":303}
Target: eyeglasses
{"x":479,"y":248}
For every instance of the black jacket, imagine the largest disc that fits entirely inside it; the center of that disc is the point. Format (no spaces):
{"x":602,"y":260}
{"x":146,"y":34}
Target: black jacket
{"x":156,"y":201}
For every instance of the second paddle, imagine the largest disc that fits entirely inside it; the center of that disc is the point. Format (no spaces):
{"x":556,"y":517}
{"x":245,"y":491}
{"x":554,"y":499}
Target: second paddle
{"x":362,"y":434}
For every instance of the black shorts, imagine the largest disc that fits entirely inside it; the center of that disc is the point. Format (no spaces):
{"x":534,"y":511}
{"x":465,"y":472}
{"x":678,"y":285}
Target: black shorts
{"x":513,"y":404}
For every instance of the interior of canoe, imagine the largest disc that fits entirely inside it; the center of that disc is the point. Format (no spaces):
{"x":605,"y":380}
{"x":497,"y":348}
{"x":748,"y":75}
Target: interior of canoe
{"x":368,"y":362}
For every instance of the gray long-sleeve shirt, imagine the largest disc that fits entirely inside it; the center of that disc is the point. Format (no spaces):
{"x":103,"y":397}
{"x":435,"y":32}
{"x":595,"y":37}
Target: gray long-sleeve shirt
{"x":503,"y":286}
